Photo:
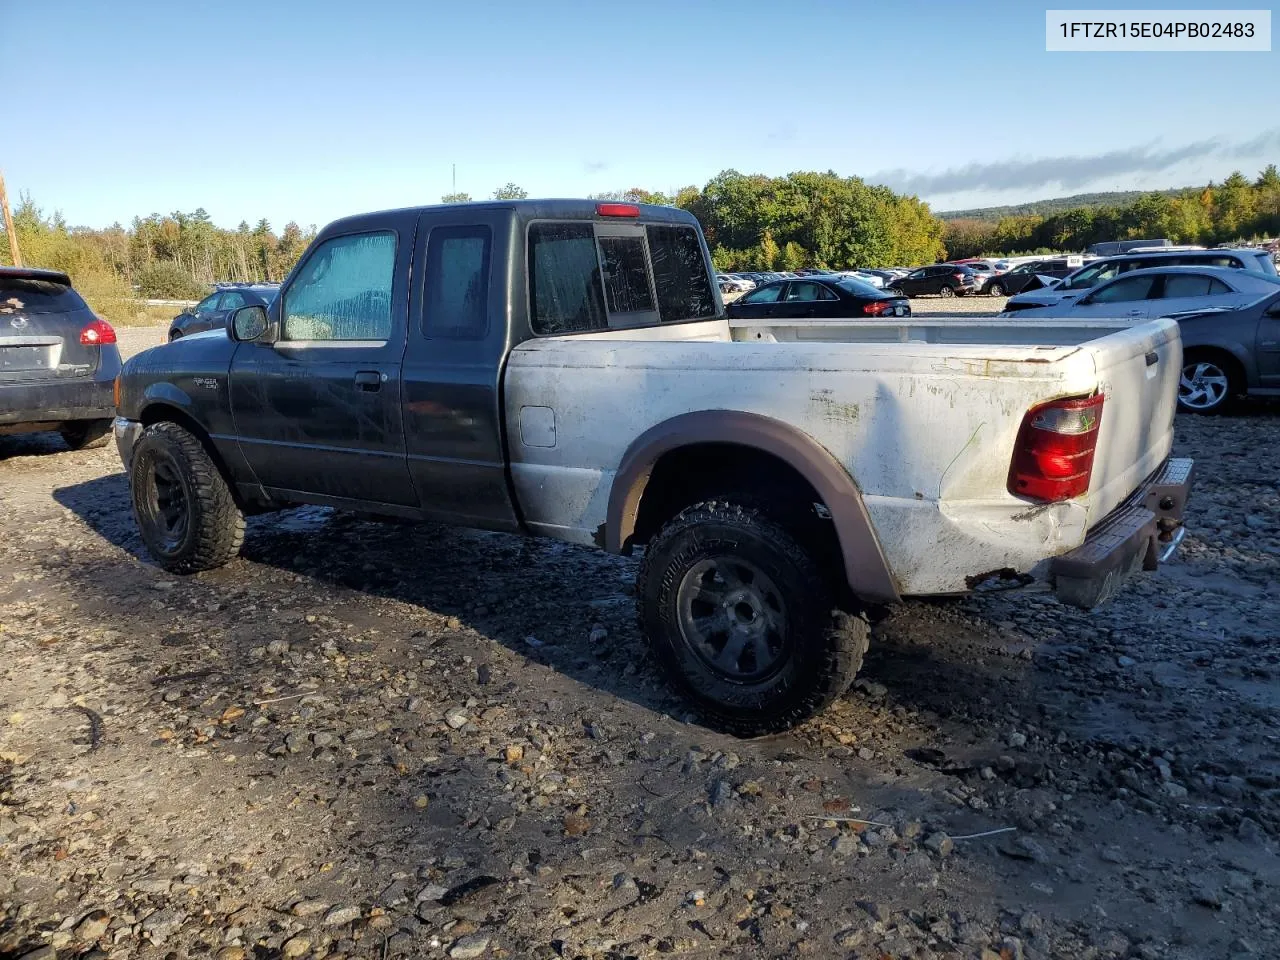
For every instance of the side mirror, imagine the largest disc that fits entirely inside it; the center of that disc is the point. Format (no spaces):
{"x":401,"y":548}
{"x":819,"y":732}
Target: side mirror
{"x":251,"y":325}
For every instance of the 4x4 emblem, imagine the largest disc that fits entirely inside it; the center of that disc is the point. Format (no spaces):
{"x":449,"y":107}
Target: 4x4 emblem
{"x":19,"y":323}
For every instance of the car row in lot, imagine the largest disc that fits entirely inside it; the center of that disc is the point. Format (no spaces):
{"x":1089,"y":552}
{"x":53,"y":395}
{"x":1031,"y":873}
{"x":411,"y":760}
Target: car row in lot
{"x":1229,"y":316}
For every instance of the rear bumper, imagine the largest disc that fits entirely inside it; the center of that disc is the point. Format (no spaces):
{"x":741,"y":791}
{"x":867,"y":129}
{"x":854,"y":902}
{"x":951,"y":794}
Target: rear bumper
{"x":1140,"y":534}
{"x":46,"y":402}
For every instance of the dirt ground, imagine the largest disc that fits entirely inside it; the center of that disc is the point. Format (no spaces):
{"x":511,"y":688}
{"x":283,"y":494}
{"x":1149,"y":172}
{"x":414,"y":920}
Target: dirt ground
{"x":380,"y":741}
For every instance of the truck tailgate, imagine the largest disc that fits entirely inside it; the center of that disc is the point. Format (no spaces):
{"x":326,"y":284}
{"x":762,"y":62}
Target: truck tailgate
{"x":1138,"y":372}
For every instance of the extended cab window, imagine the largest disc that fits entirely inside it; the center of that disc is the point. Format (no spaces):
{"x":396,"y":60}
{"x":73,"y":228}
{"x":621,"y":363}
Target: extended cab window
{"x":564,"y":279}
{"x":343,"y":290}
{"x":680,"y":274}
{"x":456,"y":283}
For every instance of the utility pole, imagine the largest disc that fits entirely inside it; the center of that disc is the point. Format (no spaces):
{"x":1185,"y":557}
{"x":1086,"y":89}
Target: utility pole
{"x":8,"y":225}
{"x":455,"y":178}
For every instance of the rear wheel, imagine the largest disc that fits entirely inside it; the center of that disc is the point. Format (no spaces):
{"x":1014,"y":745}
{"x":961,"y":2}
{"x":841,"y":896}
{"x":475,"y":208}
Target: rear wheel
{"x":996,"y":290}
{"x":897,"y":291}
{"x":81,"y":434}
{"x":1207,"y":385}
{"x":947,"y":292}
{"x":184,"y":508}
{"x":174,"y":335}
{"x":742,"y":620}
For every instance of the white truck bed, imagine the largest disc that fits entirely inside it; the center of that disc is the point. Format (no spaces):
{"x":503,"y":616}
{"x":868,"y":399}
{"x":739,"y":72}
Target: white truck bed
{"x":923,"y":416}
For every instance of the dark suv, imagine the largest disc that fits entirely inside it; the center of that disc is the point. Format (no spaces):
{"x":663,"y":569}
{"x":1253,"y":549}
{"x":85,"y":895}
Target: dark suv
{"x":58,"y":361}
{"x":1017,"y":279}
{"x":212,"y":312}
{"x":944,"y":279}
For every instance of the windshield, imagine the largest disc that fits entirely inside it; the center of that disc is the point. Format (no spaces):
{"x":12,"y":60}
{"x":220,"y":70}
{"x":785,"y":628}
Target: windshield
{"x":1089,"y":277}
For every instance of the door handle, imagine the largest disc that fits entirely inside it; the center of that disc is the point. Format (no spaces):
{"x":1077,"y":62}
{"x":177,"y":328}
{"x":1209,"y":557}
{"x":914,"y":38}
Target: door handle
{"x":369,"y":381}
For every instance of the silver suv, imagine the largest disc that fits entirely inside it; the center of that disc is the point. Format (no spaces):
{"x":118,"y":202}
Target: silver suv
{"x":1099,"y":271}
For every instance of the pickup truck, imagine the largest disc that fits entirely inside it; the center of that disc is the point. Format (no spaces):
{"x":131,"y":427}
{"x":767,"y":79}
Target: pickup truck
{"x":565,"y":369}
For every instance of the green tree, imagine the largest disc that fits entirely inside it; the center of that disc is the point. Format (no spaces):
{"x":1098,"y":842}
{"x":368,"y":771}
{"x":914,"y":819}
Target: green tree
{"x":510,"y":192}
{"x":794,"y":256}
{"x":456,"y":198}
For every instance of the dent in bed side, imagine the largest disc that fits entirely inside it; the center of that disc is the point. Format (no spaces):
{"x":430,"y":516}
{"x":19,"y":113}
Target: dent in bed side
{"x":866,"y":569}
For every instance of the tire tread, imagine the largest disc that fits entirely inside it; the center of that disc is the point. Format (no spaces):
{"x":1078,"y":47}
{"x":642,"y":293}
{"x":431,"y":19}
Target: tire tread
{"x":845,"y":641}
{"x":217,"y":520}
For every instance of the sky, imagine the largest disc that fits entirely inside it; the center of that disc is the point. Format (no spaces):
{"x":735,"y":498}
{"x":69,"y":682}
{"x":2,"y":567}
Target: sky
{"x":309,"y":111}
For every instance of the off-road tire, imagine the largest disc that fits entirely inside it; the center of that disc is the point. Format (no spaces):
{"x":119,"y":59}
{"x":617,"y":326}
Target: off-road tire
{"x":824,"y":646}
{"x":83,"y":434}
{"x":214,"y":529}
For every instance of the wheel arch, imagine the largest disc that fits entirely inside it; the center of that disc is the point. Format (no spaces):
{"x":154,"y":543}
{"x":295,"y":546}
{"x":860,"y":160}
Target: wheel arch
{"x":865,"y":569}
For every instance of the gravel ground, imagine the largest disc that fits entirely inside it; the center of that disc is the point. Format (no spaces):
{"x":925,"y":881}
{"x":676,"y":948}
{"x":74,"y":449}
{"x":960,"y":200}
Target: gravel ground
{"x":375,"y":741}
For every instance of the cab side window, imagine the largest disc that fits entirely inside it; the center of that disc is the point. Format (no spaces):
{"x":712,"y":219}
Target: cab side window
{"x":456,"y":283}
{"x":343,"y":290}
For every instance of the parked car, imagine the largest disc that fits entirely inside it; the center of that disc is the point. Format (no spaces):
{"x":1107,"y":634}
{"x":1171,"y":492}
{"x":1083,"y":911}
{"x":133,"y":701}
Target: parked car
{"x":944,"y":279}
{"x":817,"y":298}
{"x":564,"y":368}
{"x":1229,"y":352}
{"x":58,"y":360}
{"x":211,"y":313}
{"x":1087,"y":277}
{"x":1160,"y":291}
{"x":1026,"y":274}
{"x":864,"y":276}
{"x":730,"y":284}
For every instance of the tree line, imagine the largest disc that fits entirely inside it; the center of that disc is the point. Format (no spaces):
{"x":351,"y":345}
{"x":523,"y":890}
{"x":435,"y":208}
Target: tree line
{"x":1236,"y":209}
{"x":751,"y":221}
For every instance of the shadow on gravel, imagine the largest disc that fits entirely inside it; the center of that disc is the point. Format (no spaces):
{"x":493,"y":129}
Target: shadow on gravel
{"x":31,"y":445}
{"x":567,"y":607}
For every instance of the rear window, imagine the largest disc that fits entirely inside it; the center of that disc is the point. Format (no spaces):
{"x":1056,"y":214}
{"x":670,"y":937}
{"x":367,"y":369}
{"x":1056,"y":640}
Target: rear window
{"x":37,"y":296}
{"x":858,"y":288}
{"x":578,"y":280}
{"x":680,"y":274}
{"x":1266,"y":264}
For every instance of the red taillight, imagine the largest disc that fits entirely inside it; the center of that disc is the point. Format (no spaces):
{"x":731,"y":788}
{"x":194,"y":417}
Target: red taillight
{"x":1053,"y":459}
{"x":97,"y":332}
{"x":617,"y":210}
{"x":876,"y":307}
{"x":958,"y":276}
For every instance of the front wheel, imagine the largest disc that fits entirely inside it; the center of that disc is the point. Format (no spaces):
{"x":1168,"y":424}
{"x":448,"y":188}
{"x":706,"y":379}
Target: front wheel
{"x":896,"y":291}
{"x":996,"y":290}
{"x":185,"y":511}
{"x":82,"y":434}
{"x":1206,"y":386}
{"x":946,"y":292}
{"x":742,"y":620}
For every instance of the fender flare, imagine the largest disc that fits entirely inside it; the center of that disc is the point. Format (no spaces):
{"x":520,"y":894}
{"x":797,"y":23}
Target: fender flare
{"x":865,"y":566}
